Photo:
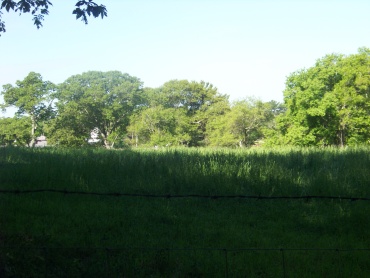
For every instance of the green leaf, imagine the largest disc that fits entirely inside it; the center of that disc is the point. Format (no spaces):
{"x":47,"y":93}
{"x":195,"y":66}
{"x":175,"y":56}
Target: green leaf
{"x":8,"y":5}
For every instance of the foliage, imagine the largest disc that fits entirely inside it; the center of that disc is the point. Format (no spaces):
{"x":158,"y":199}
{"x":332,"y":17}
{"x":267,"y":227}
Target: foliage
{"x":159,"y":126}
{"x":40,"y":8}
{"x":243,"y":125}
{"x":95,"y":100}
{"x":329,"y":104}
{"x":191,"y":96}
{"x":67,"y":129}
{"x":33,"y":97}
{"x":15,"y":131}
{"x":176,"y":114}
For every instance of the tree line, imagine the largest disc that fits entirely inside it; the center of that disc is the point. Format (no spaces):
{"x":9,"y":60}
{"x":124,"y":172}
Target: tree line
{"x":327,"y":104}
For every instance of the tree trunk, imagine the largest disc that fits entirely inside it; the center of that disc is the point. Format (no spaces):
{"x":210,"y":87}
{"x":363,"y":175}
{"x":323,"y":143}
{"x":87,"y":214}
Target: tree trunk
{"x":341,"y":136}
{"x":114,"y":141}
{"x":106,"y":144}
{"x":33,"y":128}
{"x":241,"y":144}
{"x":105,"y":139}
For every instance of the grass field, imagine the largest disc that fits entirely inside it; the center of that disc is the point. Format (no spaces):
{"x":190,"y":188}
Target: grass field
{"x":51,"y":234}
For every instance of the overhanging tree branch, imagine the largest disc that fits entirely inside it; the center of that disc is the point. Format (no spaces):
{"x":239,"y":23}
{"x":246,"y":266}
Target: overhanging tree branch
{"x":40,"y":8}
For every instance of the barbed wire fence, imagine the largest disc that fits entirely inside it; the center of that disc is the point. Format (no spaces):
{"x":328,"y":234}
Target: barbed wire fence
{"x":176,"y":196}
{"x":130,"y":261}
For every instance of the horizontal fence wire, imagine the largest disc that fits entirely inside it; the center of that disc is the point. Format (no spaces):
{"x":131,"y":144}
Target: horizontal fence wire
{"x":187,"y":249}
{"x":169,"y":196}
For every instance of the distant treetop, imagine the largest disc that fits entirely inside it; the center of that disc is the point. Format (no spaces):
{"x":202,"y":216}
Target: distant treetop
{"x":40,"y":8}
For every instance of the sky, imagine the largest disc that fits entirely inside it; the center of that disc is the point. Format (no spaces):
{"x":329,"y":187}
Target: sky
{"x":246,"y":48}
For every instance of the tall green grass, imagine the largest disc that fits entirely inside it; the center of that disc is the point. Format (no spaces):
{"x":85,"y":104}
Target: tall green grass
{"x":308,"y":171}
{"x":76,"y":229}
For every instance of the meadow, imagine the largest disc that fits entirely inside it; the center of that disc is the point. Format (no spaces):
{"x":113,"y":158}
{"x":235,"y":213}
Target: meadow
{"x":185,"y":212}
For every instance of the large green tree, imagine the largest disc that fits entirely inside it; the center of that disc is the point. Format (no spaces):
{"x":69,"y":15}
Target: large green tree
{"x":192,"y":103}
{"x":176,"y":114}
{"x":197,"y":99}
{"x":40,"y":8}
{"x":159,"y":126}
{"x":328,"y":104}
{"x":103,"y":101}
{"x":242,"y":125}
{"x":33,"y":97}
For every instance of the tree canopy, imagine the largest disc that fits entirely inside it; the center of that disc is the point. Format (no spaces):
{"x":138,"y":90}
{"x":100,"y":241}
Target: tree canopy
{"x":176,"y":113}
{"x":96,"y":100}
{"x":329,"y":103}
{"x":325,"y":105}
{"x":33,"y":97}
{"x":40,"y":8}
{"x":242,"y":125}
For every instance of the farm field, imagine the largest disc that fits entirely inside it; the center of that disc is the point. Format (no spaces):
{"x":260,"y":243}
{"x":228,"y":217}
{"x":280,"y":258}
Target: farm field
{"x":185,"y":212}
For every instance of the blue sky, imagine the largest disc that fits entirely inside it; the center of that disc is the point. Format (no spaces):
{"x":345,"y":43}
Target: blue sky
{"x":244,"y":48}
